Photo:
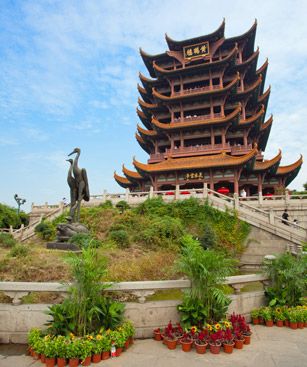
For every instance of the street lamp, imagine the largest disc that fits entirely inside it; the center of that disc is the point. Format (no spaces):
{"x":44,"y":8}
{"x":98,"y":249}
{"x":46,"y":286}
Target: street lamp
{"x":19,"y":201}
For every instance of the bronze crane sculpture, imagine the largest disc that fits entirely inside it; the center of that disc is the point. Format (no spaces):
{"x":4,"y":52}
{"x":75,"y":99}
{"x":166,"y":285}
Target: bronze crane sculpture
{"x":81,"y":182}
{"x":73,"y":188}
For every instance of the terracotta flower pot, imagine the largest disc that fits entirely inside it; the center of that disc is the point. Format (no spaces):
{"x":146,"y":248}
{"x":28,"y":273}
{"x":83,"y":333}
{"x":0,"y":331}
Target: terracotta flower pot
{"x":287,"y":323}
{"x":261,"y":320}
{"x":105,"y":355}
{"x":186,"y":346}
{"x":131,"y":341}
{"x":200,"y":348}
{"x":119,"y":351}
{"x":73,"y":362}
{"x":279,"y":323}
{"x":96,"y":358}
{"x":43,"y":358}
{"x":269,"y":323}
{"x":171,"y":343}
{"x":127,"y":343}
{"x":228,"y":348}
{"x":36,"y":355}
{"x":256,"y":321}
{"x":157,"y":335}
{"x":293,"y":325}
{"x":215,"y":348}
{"x":247,"y":339}
{"x":61,"y":362}
{"x":50,"y":362}
{"x":239,"y":343}
{"x":86,"y":361}
{"x":300,"y":325}
{"x":305,"y":324}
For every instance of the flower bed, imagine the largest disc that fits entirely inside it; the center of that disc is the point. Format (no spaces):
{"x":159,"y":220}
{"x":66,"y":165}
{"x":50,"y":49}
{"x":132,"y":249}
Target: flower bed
{"x":59,"y":349}
{"x":229,"y":334}
{"x":293,"y":317}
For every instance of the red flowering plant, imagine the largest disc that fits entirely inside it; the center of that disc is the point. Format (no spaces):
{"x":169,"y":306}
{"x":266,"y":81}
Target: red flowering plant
{"x":239,"y":324}
{"x":201,"y":337}
{"x":228,"y":337}
{"x":178,"y":330}
{"x":193,"y":332}
{"x":216,"y":334}
{"x":169,"y":332}
{"x":186,"y":338}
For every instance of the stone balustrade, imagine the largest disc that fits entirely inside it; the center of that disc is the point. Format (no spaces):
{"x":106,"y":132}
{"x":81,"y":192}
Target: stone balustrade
{"x":17,"y":290}
{"x":17,"y":318}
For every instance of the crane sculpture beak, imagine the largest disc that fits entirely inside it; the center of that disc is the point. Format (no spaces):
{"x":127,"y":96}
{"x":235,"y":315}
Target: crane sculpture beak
{"x":73,"y":152}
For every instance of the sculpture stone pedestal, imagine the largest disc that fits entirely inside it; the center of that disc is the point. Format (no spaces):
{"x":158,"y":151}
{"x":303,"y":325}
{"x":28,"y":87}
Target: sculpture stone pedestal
{"x":62,"y":246}
{"x":64,"y":232}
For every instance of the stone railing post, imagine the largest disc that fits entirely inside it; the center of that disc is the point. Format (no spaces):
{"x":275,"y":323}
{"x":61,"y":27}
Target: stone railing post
{"x":271,"y":217}
{"x":104,"y":196}
{"x":260,"y":198}
{"x":151,"y":193}
{"x":177,"y":192}
{"x":205,"y":190}
{"x":11,"y":230}
{"x":127,"y":195}
{"x":287,"y":197}
{"x":236,"y":200}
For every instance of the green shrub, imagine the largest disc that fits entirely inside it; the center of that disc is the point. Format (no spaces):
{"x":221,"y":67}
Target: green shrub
{"x":120,"y":236}
{"x":122,"y":205}
{"x":45,"y":230}
{"x":209,"y":238}
{"x":7,"y":240}
{"x":84,"y":240}
{"x":106,"y":205}
{"x":288,"y":275}
{"x":19,"y":251}
{"x":162,"y":231}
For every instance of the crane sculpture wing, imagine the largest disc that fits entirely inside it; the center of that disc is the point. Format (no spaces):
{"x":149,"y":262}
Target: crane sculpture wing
{"x":86,"y":191}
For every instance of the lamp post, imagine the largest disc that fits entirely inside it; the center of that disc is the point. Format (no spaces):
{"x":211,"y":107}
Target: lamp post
{"x":19,"y":201}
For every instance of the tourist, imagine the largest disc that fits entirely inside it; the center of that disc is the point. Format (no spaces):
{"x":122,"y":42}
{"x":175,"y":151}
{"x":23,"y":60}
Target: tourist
{"x":285,"y":217}
{"x":243,"y":193}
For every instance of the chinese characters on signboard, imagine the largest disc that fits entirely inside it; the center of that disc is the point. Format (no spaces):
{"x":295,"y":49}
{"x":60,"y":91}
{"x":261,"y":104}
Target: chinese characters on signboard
{"x":202,"y":49}
{"x":193,"y":175}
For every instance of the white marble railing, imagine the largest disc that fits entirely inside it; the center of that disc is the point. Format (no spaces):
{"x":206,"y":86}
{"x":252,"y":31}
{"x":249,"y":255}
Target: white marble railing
{"x":142,"y":289}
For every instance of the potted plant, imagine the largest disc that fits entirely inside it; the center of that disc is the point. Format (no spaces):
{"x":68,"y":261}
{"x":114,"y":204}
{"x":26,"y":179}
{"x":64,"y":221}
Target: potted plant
{"x":119,"y":338}
{"x":255,"y":316}
{"x":228,"y":341}
{"x":169,"y":337}
{"x":215,"y":339}
{"x":130,"y":331}
{"x":85,"y":351}
{"x":186,"y":342}
{"x":201,"y":342}
{"x":60,"y":345}
{"x":96,"y":347}
{"x":292,"y":314}
{"x":73,"y":351}
{"x":157,"y":334}
{"x":50,"y":351}
{"x":267,"y":316}
{"x":105,"y":343}
{"x":300,"y":318}
{"x":279,"y":317}
{"x":38,"y":347}
{"x":238,"y":338}
{"x":33,"y":336}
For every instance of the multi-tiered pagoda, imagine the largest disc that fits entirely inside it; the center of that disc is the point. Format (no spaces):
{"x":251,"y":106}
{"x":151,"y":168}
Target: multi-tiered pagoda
{"x":203,"y":114}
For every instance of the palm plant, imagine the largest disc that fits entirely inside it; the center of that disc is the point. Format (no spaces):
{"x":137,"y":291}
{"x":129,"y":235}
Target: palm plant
{"x":207,"y":271}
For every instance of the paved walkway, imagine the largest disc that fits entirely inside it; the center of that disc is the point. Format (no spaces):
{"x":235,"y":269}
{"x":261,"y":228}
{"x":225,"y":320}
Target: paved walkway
{"x":270,"y":347}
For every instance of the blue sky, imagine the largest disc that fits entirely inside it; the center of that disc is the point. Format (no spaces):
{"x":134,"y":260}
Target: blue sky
{"x":69,"y":71}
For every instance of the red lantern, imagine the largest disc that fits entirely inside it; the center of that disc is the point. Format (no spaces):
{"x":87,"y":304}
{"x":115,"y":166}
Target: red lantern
{"x":223,"y":190}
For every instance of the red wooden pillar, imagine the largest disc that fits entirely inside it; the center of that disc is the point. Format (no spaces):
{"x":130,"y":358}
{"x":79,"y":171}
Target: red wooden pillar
{"x":236,"y":182}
